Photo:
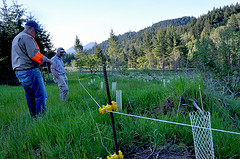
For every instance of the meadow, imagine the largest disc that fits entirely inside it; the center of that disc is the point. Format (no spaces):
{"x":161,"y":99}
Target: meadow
{"x":76,"y":129}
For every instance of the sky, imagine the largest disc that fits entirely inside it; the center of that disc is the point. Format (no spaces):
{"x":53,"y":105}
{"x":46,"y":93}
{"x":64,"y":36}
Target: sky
{"x":92,"y":20}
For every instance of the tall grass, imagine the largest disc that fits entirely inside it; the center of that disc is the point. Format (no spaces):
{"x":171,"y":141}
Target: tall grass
{"x":75,"y":129}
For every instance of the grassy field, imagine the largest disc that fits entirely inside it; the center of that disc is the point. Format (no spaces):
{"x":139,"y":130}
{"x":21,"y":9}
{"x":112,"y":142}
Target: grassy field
{"x":76,"y":129}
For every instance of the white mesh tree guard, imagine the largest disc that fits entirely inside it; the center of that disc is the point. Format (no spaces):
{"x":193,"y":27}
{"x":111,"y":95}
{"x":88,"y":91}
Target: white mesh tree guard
{"x":203,"y":142}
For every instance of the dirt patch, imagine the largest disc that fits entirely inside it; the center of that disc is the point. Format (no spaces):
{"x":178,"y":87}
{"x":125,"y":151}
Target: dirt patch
{"x":145,"y":152}
{"x":167,"y":107}
{"x":169,"y":151}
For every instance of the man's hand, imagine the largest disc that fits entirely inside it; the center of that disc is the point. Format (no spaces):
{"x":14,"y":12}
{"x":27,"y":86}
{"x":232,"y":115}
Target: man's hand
{"x":52,"y":63}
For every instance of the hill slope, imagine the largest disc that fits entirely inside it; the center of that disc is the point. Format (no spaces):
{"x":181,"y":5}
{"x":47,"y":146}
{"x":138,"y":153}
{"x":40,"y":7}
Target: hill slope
{"x":86,"y":47}
{"x":132,"y":37}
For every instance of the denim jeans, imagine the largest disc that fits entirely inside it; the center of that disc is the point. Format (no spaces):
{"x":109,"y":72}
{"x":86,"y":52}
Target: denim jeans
{"x":35,"y":91}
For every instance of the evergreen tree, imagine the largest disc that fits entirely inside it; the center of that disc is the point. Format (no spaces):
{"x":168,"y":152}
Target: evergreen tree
{"x":78,"y":47}
{"x":114,"y":51}
{"x":206,"y":30}
{"x":175,"y":48}
{"x":233,"y":23}
{"x":191,"y":46}
{"x":170,"y":44}
{"x":12,"y":20}
{"x":147,"y":48}
{"x":142,"y":61}
{"x":175,"y":54}
{"x":160,"y":47}
{"x":99,"y":54}
{"x":132,"y":57}
{"x":80,"y":55}
{"x":205,"y":55}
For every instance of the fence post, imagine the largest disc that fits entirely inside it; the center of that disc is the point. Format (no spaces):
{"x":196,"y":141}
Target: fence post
{"x":110,"y":103}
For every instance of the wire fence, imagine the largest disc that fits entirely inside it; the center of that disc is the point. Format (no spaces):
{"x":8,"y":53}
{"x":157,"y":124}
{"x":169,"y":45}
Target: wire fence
{"x":163,"y":121}
{"x":200,"y":124}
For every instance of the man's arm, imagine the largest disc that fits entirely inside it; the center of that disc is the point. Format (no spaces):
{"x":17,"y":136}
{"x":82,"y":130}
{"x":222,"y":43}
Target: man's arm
{"x":51,"y":62}
{"x":34,"y":51}
{"x":54,"y":72}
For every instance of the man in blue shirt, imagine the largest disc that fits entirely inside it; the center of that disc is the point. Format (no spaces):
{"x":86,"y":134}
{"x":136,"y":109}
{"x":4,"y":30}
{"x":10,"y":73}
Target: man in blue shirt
{"x":59,"y":74}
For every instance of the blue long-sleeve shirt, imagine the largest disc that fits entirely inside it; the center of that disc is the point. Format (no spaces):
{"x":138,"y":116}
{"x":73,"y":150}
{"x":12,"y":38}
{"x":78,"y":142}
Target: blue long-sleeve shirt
{"x":59,"y":65}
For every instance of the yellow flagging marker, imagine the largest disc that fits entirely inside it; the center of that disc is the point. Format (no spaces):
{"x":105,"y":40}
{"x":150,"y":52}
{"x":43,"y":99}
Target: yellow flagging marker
{"x":105,"y":109}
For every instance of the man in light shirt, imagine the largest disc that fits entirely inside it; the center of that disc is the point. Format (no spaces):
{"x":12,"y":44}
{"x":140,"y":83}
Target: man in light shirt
{"x":59,"y":74}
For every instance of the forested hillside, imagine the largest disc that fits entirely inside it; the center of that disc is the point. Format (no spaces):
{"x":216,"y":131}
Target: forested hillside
{"x":209,"y":42}
{"x":136,"y":37}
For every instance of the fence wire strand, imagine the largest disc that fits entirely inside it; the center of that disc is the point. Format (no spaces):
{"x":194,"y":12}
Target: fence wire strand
{"x":93,"y":118}
{"x":163,"y":121}
{"x":88,"y":93}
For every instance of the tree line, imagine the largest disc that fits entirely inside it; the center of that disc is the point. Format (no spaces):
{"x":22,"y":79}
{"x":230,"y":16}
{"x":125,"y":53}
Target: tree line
{"x":209,"y":42}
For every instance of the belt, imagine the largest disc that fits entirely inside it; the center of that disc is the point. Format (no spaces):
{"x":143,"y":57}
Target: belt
{"x":24,"y":69}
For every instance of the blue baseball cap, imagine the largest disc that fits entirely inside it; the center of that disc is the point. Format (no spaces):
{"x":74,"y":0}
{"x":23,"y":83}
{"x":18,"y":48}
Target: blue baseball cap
{"x":33,"y":24}
{"x":60,"y":49}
